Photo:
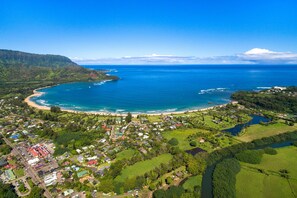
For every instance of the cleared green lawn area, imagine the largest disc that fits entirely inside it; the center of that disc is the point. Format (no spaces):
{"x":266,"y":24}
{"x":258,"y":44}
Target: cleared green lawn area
{"x":181,"y":135}
{"x":251,"y":183}
{"x":140,"y":168}
{"x":192,"y":181}
{"x":19,"y":172}
{"x":258,"y":131}
{"x":126,"y":154}
{"x":154,"y":118}
{"x":286,"y":158}
{"x":255,"y":184}
{"x":208,"y":120}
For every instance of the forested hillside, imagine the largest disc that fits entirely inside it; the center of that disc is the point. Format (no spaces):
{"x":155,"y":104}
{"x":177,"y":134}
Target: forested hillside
{"x":13,"y":58}
{"x":22,"y":72}
{"x":273,"y":99}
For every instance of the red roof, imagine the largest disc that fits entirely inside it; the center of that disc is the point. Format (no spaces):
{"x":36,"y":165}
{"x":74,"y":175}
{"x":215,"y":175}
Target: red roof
{"x":92,"y":162}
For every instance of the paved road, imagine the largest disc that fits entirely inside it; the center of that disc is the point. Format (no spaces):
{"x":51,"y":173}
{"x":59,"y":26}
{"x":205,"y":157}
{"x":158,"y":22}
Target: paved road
{"x":24,"y":180}
{"x":29,"y":169}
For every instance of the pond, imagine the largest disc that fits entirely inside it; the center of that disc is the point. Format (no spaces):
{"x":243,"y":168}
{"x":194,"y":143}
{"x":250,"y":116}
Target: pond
{"x":194,"y":151}
{"x":256,"y":119}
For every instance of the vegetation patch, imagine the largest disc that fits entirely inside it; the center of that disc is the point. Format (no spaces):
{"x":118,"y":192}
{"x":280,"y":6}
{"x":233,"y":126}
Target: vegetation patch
{"x":250,"y":156}
{"x":182,"y":136}
{"x":280,"y":101}
{"x":192,"y":182}
{"x":224,"y":178}
{"x":126,"y":154}
{"x":140,"y":168}
{"x":258,"y":131}
{"x":275,"y":176}
{"x":270,"y":151}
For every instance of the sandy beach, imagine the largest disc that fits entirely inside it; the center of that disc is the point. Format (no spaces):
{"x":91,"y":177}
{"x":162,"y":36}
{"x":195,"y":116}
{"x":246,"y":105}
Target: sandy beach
{"x":28,"y":100}
{"x":37,"y":93}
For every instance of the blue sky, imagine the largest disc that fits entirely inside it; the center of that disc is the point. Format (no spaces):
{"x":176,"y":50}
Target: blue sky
{"x":154,"y":31}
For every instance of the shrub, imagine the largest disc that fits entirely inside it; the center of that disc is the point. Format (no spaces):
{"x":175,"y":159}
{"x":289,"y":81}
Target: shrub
{"x":169,"y":180}
{"x":173,"y":142}
{"x":55,"y":109}
{"x":159,"y":194}
{"x":295,"y":143}
{"x":250,"y":156}
{"x":270,"y":151}
{"x":152,"y":186}
{"x":193,"y":143}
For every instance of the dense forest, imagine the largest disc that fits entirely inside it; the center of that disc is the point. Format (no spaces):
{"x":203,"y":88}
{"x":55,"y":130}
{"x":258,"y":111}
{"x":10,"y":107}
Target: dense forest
{"x":22,"y":72}
{"x":284,"y":101}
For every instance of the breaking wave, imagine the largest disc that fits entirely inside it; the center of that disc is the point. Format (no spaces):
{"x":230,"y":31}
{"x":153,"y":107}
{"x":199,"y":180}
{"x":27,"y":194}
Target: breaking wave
{"x":212,"y":90}
{"x":101,"y":83}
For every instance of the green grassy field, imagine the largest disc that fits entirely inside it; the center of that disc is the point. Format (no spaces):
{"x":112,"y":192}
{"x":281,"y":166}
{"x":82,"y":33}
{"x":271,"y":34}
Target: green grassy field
{"x":184,"y":144}
{"x":224,"y":124}
{"x":126,"y":154}
{"x":252,"y":183}
{"x":181,"y":135}
{"x":192,"y":181}
{"x":19,"y":172}
{"x":140,"y":168}
{"x":258,"y":131}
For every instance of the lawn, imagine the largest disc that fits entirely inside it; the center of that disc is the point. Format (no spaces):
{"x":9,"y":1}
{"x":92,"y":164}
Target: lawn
{"x":181,"y":135}
{"x":258,"y":131}
{"x":183,"y":143}
{"x":251,"y":183}
{"x":19,"y":172}
{"x":126,"y":154}
{"x":140,"y":168}
{"x":193,"y":181}
{"x":223,"y":124}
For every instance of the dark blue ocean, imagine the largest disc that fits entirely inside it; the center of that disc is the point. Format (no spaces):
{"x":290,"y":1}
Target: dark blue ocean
{"x":152,"y":89}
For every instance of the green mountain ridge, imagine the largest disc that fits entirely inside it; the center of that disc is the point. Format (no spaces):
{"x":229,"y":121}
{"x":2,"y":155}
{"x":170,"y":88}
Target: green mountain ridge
{"x":10,"y":57}
{"x":21,"y":72}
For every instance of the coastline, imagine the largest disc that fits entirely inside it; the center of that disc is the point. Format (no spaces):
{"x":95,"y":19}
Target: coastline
{"x":37,"y":93}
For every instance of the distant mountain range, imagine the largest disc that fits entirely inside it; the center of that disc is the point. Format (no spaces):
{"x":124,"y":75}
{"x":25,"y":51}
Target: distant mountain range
{"x":10,"y":57}
{"x":25,"y":71}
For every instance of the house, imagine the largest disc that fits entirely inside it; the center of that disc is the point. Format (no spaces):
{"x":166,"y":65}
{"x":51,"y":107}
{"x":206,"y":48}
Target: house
{"x":33,"y":161}
{"x":143,"y":150}
{"x":80,"y":158}
{"x":92,"y":158}
{"x":107,"y":159}
{"x":78,"y":151}
{"x":85,"y":148}
{"x":82,"y":173}
{"x":202,"y":140}
{"x":3,"y":162}
{"x":68,"y":192}
{"x":9,"y":175}
{"x":102,"y":140}
{"x":50,"y":179}
{"x":15,"y":136}
{"x":92,"y":162}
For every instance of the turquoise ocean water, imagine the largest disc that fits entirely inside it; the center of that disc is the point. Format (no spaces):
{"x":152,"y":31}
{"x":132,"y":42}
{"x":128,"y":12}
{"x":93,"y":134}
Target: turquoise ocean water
{"x":155,"y":89}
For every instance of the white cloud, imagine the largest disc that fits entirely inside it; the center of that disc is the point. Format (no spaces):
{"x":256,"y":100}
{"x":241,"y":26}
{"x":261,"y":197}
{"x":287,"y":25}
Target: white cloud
{"x":253,"y":56}
{"x":258,"y":55}
{"x":257,"y":51}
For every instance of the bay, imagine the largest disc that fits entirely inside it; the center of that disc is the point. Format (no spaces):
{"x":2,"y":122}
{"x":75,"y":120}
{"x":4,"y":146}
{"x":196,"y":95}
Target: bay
{"x":165,"y":88}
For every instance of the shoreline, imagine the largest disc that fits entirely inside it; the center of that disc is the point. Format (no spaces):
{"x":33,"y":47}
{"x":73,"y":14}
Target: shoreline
{"x":37,"y":93}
